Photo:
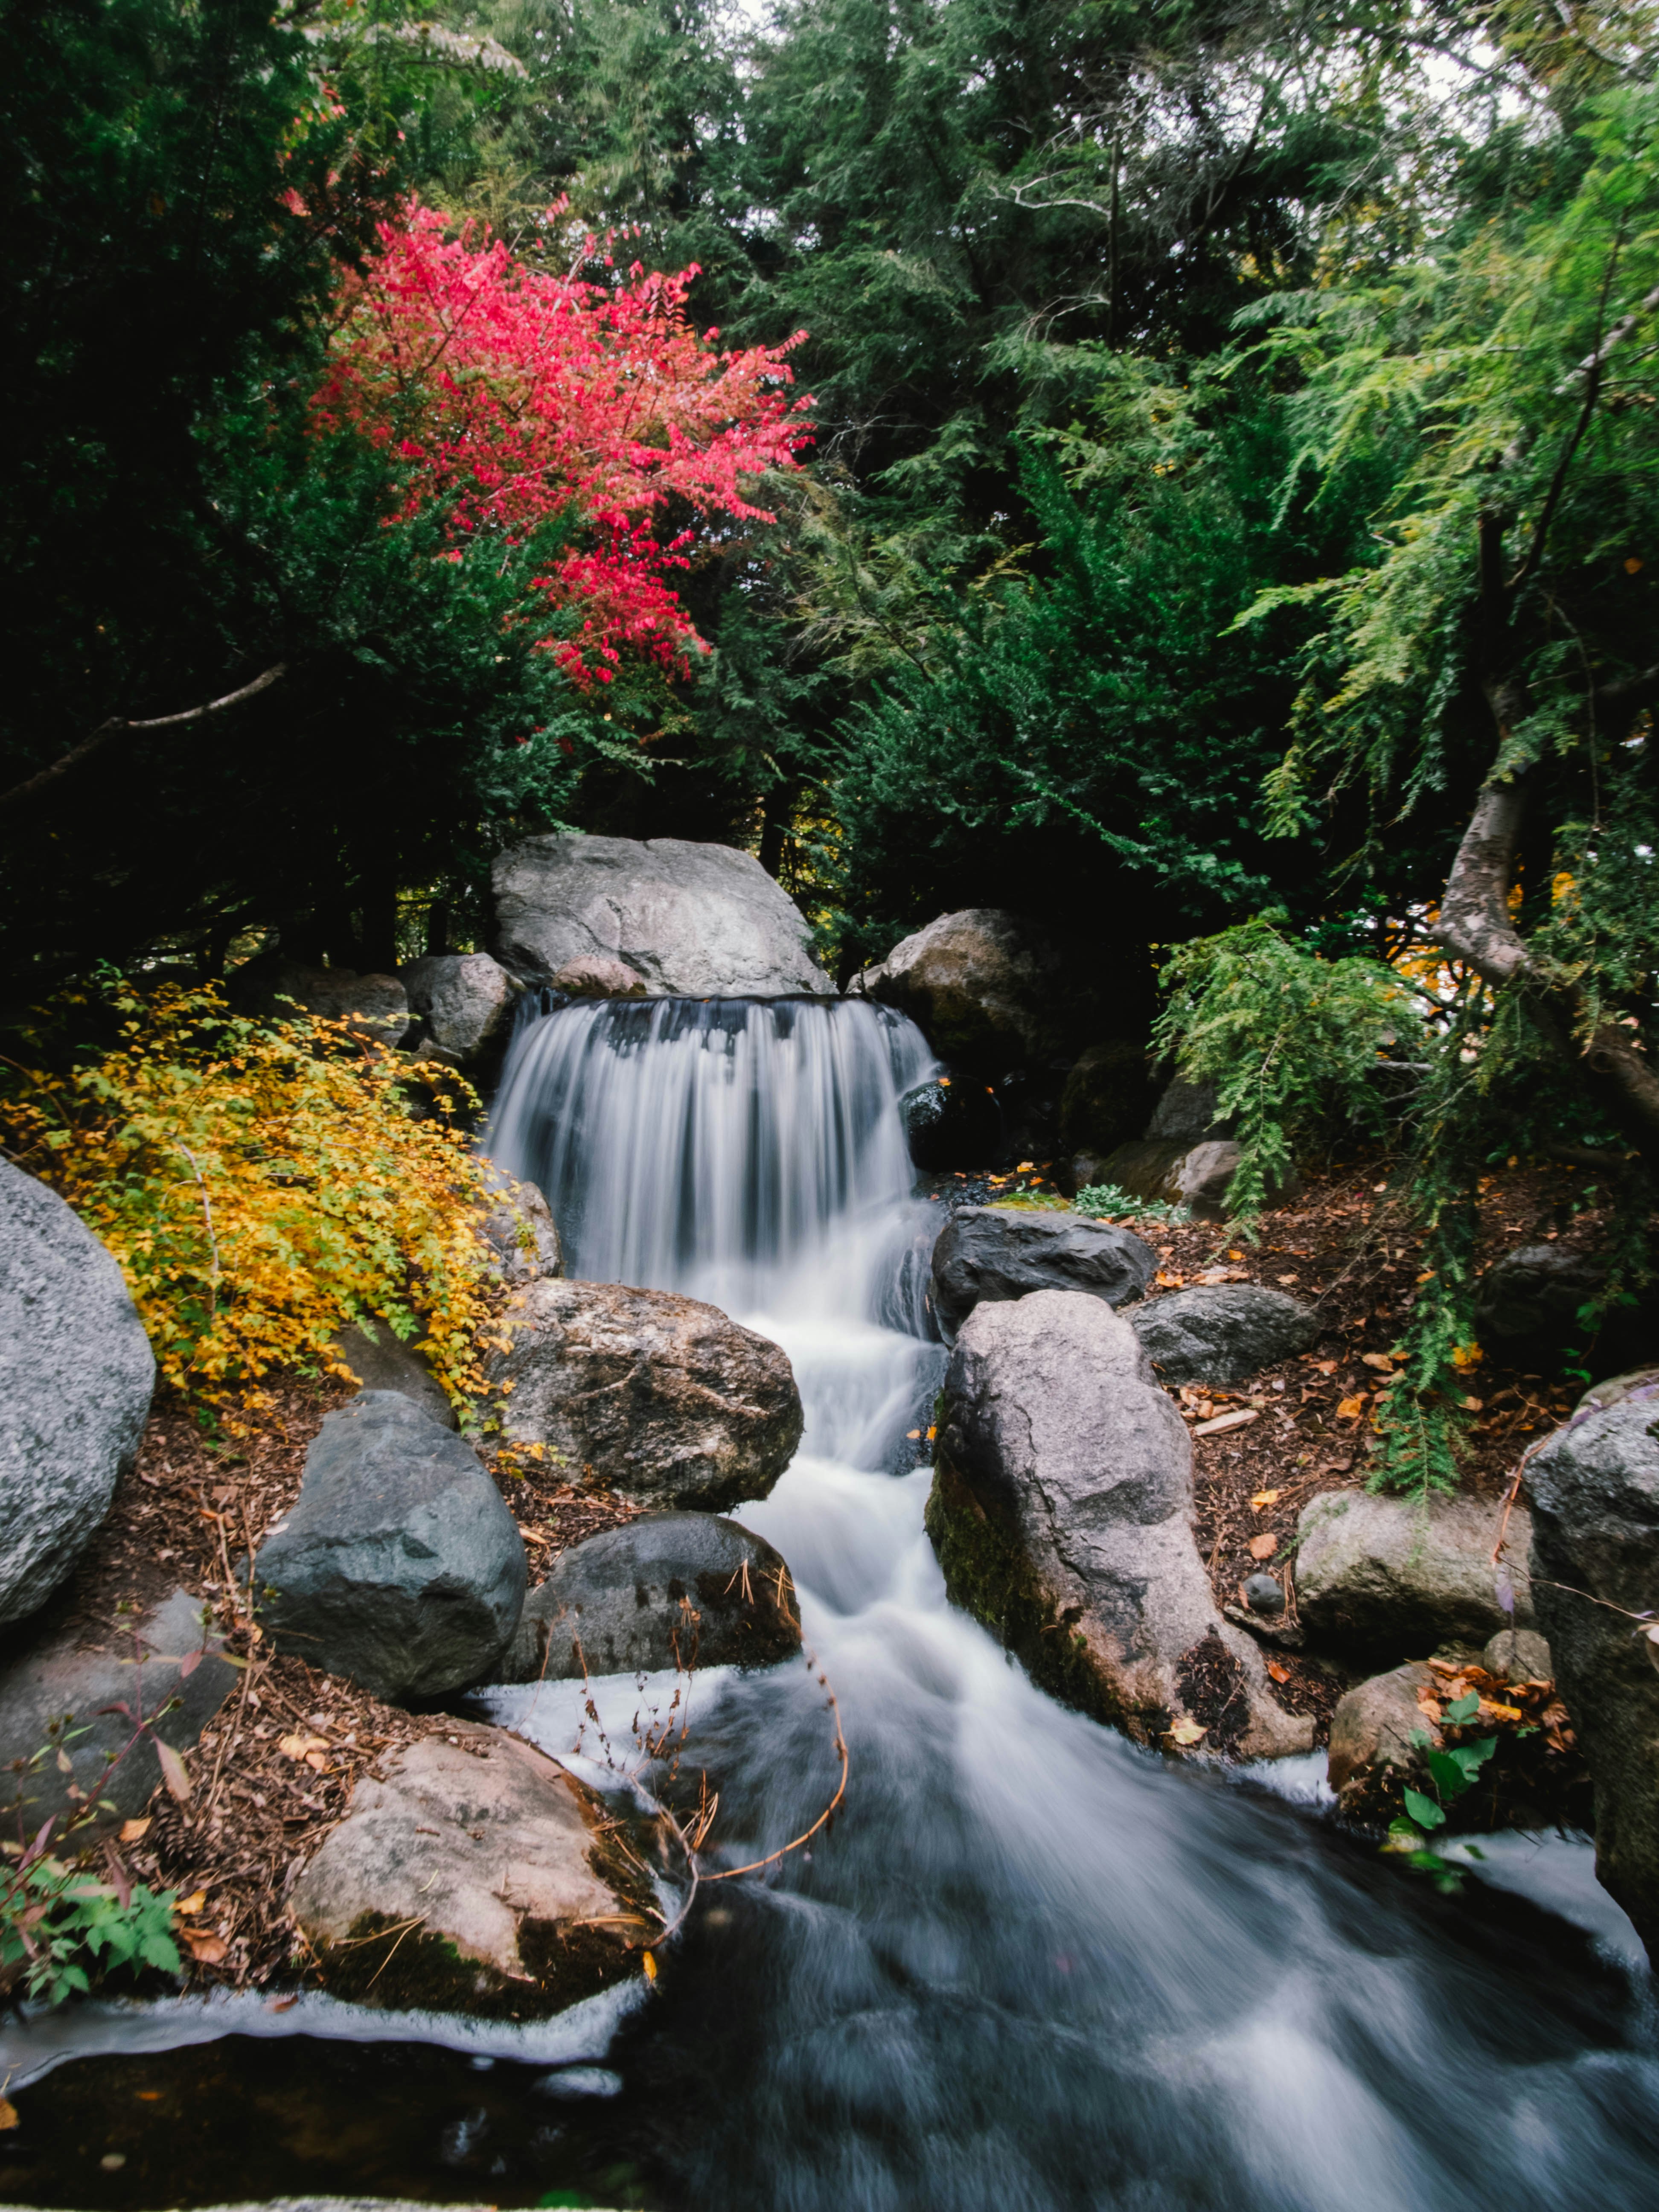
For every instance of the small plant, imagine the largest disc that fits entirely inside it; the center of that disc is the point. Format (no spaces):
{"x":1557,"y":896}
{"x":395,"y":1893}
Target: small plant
{"x":53,"y":1920}
{"x":1452,"y":1773}
{"x":1107,"y":1200}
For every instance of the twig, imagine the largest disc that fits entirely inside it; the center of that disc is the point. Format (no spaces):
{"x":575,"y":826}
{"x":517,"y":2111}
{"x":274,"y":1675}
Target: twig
{"x":117,"y":724}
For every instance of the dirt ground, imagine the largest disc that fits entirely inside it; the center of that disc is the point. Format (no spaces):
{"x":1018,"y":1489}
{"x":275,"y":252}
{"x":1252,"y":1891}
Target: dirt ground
{"x":278,"y":1766}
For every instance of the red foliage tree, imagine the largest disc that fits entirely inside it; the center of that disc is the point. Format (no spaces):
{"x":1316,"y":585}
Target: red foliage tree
{"x":519,"y":397}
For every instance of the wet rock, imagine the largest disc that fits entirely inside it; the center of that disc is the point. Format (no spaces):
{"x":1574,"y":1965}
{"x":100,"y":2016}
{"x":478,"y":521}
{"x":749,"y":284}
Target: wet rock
{"x":987,"y":989}
{"x":475,"y":1875}
{"x":1222,"y":1333}
{"x":987,"y":1253}
{"x":1371,"y":1752}
{"x":60,"y":1698}
{"x":591,"y":975}
{"x":1264,"y":1595}
{"x":521,"y":1233}
{"x":1594,"y":1492}
{"x":1536,"y":1291}
{"x":954,"y":1122}
{"x":694,"y":921}
{"x":1061,"y":1512}
{"x":661,"y":1397}
{"x":75,"y":1377}
{"x":398,"y":1565}
{"x":671,"y":1589}
{"x":1519,"y":1655}
{"x":465,"y":1000}
{"x":380,"y":1360}
{"x":1107,"y":1098}
{"x":1379,"y":1576}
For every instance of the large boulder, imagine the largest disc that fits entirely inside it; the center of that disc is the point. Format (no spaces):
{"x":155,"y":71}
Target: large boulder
{"x":372,"y":1006}
{"x":1107,"y":1097}
{"x":378,"y":1359}
{"x":1535,"y":1292}
{"x":1222,"y":1333}
{"x":1186,"y":1114}
{"x":1062,"y":1511}
{"x":693,"y":920}
{"x":475,"y":1875}
{"x":987,"y":989}
{"x":660,"y":1397}
{"x":464,"y":1001}
{"x":523,"y":1237}
{"x":75,"y":1377}
{"x":63,"y":1698}
{"x":671,"y":1589}
{"x":399,"y":1565}
{"x":591,"y":975}
{"x":1383,"y":1578}
{"x":1594,"y":1492}
{"x":987,"y":1253}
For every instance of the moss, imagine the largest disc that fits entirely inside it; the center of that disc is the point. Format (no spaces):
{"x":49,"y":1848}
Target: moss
{"x":988,"y":1573}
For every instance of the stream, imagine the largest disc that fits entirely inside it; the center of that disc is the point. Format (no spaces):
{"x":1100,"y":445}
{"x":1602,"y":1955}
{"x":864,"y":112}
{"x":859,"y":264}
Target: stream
{"x":1029,"y":1967}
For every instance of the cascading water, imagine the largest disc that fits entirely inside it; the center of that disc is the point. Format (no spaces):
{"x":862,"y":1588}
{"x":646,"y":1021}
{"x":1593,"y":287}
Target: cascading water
{"x":1031,"y":1968}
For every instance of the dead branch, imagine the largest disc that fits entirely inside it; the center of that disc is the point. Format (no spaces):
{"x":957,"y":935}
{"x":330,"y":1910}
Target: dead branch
{"x":118,"y":726}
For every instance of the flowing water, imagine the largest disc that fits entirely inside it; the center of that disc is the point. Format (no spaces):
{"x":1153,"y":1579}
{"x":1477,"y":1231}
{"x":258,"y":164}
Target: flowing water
{"x":1029,"y":1968}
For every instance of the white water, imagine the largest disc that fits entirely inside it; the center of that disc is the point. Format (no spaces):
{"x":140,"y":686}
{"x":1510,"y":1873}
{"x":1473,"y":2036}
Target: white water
{"x":1029,"y":1967}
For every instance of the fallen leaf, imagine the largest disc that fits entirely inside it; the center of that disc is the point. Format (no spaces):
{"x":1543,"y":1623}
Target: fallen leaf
{"x":1503,"y":1711}
{"x":282,"y":2004}
{"x":1168,"y":1280}
{"x":318,"y":1762}
{"x":1186,"y":1731}
{"x":206,"y":1950}
{"x":1378,"y":1360}
{"x":188,"y":1907}
{"x":8,"y":2113}
{"x":1263,"y":1499}
{"x":131,"y":1831}
{"x":1278,"y":1671}
{"x":299,"y":1747}
{"x":1350,"y":1409}
{"x":174,"y":1772}
{"x":1323,"y":1366}
{"x":1284,"y":1278}
{"x":650,"y":1963}
{"x":913,"y":1436}
{"x":1237,"y":1420}
{"x":1024,"y":1167}
{"x":932,"y":1433}
{"x":535,"y":1536}
{"x":1263,"y":1547}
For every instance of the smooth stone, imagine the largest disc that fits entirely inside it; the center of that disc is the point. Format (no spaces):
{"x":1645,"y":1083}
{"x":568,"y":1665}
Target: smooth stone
{"x":520,"y":1231}
{"x":989,"y":1254}
{"x":380,"y":1360}
{"x":986,"y":988}
{"x":59,"y":1696}
{"x":399,"y":1564}
{"x":1263,"y":1595}
{"x":1372,"y":1728}
{"x":671,"y":1589}
{"x":1222,"y":1333}
{"x":465,"y":1000}
{"x":592,"y":976}
{"x":1519,"y":1655}
{"x":1383,"y":1577}
{"x":75,"y":1377}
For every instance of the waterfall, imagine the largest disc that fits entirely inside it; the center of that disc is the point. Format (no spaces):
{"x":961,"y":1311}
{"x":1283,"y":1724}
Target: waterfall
{"x":1030,"y":1965}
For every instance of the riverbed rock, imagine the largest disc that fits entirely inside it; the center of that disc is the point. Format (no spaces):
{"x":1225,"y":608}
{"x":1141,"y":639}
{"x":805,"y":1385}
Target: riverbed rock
{"x":1061,"y":1512}
{"x":1148,"y":1168}
{"x":59,"y":1697}
{"x":1371,"y":1752}
{"x":986,"y":988}
{"x":380,"y":1360}
{"x":1519,"y":1655}
{"x":475,"y":1875}
{"x":986,"y":1252}
{"x":520,"y":1231}
{"x":660,"y":1397}
{"x":1222,"y":1333}
{"x":1532,"y":1293}
{"x":1382,"y":1578}
{"x":694,"y":920}
{"x":1107,"y":1097}
{"x":464,"y":1001}
{"x":1186,"y":1114}
{"x":399,"y":1564}
{"x":671,"y":1589}
{"x":372,"y":1006}
{"x":592,"y":976}
{"x":75,"y":1377}
{"x":1594,"y":1492}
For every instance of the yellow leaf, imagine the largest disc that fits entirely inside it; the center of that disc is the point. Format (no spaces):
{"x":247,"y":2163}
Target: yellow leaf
{"x":1382,"y":1360}
{"x":1263,"y":1547}
{"x":299,"y":1747}
{"x":1263,"y":1499}
{"x":1350,"y":1409}
{"x":8,"y":2113}
{"x":188,"y":1907}
{"x":649,"y":1964}
{"x":1187,"y":1731}
{"x":174,"y":1772}
{"x":132,"y":1831}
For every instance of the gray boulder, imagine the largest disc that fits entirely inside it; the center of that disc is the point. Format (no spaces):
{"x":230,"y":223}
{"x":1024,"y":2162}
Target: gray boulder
{"x":1536,"y":1291}
{"x":1148,"y":1168}
{"x":660,"y":1397}
{"x":464,"y":999}
{"x":60,"y":1697}
{"x":1519,"y":1655}
{"x":986,"y":988}
{"x":1186,"y":1114}
{"x":1061,"y":1512}
{"x":1371,"y":1752}
{"x":75,"y":1377}
{"x":591,"y":975}
{"x":399,"y":1565}
{"x":694,"y":920}
{"x":1381,"y":1577}
{"x":988,"y":1253}
{"x":671,"y":1589}
{"x":380,"y":1360}
{"x":1222,"y":1333}
{"x":520,"y":1231}
{"x":474,"y":1874}
{"x":1106,"y":1099}
{"x":1594,"y":1492}
{"x":373,"y":1006}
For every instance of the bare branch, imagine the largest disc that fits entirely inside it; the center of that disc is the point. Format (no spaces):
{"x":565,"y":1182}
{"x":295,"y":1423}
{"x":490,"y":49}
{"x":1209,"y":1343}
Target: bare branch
{"x":117,"y":726}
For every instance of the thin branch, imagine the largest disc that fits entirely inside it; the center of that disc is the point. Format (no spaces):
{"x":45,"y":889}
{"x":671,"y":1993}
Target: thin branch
{"x":1590,"y":370}
{"x":117,"y":725}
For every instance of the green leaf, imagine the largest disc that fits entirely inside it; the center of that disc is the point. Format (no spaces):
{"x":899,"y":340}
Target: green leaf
{"x":1463,"y":1709}
{"x":1423,"y":1810}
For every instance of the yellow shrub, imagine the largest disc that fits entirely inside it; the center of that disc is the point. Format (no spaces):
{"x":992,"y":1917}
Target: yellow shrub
{"x":261,"y":1185}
